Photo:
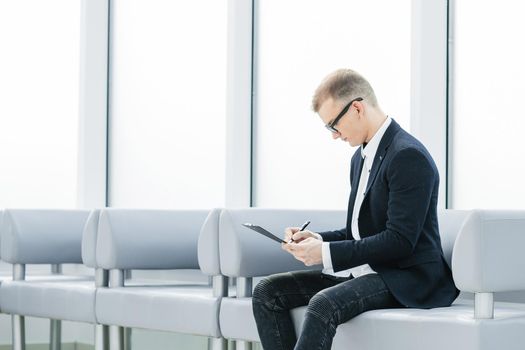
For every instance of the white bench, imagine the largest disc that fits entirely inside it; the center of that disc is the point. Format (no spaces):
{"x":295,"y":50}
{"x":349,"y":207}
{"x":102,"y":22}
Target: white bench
{"x":487,"y":257}
{"x":54,"y":237}
{"x":484,"y":249}
{"x":135,"y":239}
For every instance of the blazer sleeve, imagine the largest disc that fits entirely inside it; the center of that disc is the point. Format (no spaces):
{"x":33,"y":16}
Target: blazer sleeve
{"x":411,"y":176}
{"x":336,"y":235}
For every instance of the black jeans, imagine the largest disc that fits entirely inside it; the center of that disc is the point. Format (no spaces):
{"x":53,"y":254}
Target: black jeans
{"x":331,"y":301}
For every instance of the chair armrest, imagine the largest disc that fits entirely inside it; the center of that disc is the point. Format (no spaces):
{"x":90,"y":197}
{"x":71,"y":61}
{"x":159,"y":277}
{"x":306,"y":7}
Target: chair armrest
{"x":89,"y":239}
{"x":208,"y":245}
{"x":488,"y":252}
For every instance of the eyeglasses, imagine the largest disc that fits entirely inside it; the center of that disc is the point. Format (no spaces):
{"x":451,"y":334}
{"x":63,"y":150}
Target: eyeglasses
{"x":331,"y":126}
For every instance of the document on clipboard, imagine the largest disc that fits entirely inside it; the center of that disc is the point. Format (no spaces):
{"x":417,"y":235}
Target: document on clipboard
{"x":263,"y":232}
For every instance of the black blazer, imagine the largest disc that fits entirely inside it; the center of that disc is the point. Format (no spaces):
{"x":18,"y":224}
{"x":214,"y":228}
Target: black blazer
{"x":398,"y":223}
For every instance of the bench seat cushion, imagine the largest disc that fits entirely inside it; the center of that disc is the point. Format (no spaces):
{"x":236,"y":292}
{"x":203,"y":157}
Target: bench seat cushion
{"x":190,"y":309}
{"x":409,"y":329}
{"x":59,"y":297}
{"x":3,"y":278}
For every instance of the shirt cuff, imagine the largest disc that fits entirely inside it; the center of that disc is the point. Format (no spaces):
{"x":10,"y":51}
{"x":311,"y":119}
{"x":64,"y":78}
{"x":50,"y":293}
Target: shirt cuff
{"x":327,"y":257}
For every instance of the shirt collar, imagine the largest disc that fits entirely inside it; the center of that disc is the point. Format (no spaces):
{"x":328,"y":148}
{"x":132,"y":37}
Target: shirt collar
{"x":371,"y":147}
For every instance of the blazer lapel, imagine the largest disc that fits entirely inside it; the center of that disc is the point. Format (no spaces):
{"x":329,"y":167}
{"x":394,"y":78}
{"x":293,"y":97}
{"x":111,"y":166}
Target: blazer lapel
{"x":381,"y":152}
{"x":353,"y":192}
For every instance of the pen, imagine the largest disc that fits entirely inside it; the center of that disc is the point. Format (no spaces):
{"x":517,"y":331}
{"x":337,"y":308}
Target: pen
{"x":301,"y":229}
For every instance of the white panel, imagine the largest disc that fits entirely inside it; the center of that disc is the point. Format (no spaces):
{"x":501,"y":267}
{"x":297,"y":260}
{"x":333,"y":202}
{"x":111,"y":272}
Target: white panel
{"x":428,"y":120}
{"x":93,"y":104}
{"x":167,"y":103}
{"x":39,"y":88}
{"x":488,"y":165}
{"x":239,"y":104}
{"x":297,"y":44}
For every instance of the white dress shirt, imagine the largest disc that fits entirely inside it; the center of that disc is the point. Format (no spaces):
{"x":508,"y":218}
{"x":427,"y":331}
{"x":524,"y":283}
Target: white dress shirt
{"x":368,"y":153}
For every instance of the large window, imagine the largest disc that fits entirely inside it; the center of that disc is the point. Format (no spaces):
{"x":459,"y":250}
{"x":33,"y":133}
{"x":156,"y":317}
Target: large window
{"x":39,"y":78}
{"x":488,"y":148}
{"x":297,"y":43}
{"x":167,"y":103}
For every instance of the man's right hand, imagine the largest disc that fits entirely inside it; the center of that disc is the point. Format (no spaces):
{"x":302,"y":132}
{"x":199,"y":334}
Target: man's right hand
{"x":293,"y":232}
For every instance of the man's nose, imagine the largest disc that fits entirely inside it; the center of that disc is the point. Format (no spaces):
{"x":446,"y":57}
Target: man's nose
{"x":336,"y":135}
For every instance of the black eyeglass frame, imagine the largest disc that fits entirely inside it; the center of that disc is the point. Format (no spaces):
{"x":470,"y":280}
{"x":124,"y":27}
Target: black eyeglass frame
{"x":331,"y":126}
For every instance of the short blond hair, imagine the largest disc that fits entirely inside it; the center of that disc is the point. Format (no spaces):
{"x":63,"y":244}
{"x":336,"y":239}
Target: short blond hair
{"x":343,"y":84}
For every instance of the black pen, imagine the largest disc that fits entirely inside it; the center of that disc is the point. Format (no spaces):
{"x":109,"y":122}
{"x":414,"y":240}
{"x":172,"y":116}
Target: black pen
{"x":301,"y":229}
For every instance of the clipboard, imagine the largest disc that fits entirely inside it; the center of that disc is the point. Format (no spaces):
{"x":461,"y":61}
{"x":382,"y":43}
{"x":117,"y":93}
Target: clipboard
{"x":263,"y":232}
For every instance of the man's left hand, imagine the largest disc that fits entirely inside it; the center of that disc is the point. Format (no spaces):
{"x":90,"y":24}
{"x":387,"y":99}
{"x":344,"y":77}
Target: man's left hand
{"x":308,"y":251}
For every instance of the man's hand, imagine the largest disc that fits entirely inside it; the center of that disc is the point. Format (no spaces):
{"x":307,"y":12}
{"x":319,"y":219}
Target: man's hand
{"x":298,"y":236}
{"x":308,"y":250}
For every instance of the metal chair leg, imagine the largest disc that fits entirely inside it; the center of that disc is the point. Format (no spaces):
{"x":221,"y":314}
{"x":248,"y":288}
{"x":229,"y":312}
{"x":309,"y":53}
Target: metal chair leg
{"x":217,"y":344}
{"x":116,"y":338}
{"x":127,"y":338}
{"x":116,"y":333}
{"x":55,"y":340}
{"x":244,"y":289}
{"x":18,"y":332}
{"x":243,"y":345}
{"x":101,"y":337}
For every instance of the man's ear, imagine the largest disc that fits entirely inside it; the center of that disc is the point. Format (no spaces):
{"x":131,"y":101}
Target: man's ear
{"x":360,"y":108}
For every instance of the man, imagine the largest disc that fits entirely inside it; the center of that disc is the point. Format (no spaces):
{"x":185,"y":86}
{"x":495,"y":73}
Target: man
{"x":388,"y":256}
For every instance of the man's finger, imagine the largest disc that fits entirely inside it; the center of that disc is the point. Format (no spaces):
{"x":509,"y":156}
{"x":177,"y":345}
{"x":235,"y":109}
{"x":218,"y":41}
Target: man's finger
{"x":298,"y":236}
{"x":294,"y":247}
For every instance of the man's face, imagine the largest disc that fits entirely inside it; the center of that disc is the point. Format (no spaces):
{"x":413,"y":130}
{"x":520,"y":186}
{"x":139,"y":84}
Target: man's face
{"x":351,"y":127}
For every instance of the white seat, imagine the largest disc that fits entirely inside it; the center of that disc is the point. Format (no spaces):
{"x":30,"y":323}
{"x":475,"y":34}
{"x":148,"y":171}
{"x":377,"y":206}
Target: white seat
{"x":408,"y":329}
{"x":133,"y":239}
{"x":436,"y":329}
{"x":190,"y":309}
{"x":54,"y":237}
{"x":2,"y":279}
{"x":57,"y":297}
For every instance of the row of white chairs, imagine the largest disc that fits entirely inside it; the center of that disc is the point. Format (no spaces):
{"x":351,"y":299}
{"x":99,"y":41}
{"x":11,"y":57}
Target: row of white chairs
{"x":479,"y":246}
